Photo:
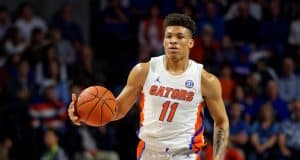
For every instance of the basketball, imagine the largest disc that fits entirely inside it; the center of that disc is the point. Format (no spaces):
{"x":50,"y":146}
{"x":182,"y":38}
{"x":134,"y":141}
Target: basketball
{"x":95,"y":106}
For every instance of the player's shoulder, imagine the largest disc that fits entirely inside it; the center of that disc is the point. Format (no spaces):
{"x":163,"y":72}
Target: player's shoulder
{"x":141,"y":68}
{"x":210,"y":84}
{"x":153,"y":62}
{"x":207,"y":76}
{"x":138,"y":74}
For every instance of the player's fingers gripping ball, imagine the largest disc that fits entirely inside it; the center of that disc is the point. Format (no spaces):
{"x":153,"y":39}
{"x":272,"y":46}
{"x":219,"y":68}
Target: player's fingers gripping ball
{"x":96,"y":106}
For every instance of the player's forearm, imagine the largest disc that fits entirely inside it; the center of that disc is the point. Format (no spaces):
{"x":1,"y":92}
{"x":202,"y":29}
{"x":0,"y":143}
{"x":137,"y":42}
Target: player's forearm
{"x":122,"y":110}
{"x":124,"y":104}
{"x":221,"y":133}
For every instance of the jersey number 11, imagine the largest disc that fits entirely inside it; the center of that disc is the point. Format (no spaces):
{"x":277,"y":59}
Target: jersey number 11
{"x":164,"y":110}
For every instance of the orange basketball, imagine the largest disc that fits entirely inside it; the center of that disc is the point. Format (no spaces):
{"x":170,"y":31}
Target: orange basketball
{"x":95,"y":106}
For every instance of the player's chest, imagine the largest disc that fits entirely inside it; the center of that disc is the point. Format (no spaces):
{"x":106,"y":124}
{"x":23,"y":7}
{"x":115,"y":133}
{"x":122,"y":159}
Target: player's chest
{"x":179,"y":89}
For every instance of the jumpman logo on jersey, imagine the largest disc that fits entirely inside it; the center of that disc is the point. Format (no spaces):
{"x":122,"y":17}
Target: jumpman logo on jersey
{"x":157,"y":80}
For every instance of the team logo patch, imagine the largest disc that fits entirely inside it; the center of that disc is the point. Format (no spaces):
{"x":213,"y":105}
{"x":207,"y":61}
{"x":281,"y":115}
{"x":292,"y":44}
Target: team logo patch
{"x":189,"y":83}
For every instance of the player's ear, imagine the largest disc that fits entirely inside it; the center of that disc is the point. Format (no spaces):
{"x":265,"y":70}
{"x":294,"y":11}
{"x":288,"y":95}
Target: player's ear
{"x":191,"y":43}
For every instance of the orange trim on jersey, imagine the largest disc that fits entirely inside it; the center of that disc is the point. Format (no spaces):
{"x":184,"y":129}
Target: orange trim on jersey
{"x":142,"y":102}
{"x":140,"y":149}
{"x":197,"y":142}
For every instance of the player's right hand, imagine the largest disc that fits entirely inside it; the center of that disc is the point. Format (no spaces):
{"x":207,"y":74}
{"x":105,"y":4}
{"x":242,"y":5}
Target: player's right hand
{"x":71,"y":111}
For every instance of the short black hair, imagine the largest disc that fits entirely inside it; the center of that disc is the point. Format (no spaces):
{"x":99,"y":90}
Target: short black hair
{"x":176,"y":19}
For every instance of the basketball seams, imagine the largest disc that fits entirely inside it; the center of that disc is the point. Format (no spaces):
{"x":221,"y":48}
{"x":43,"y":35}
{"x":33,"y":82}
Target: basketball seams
{"x":109,"y":99}
{"x":93,"y":100}
{"x":88,"y":115}
{"x":93,"y":108}
{"x":101,"y":117}
{"x":95,"y":95}
{"x":111,"y":110}
{"x":78,"y":105}
{"x":90,"y":99}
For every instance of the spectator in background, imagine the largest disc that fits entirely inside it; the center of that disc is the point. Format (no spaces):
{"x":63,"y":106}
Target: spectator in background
{"x":255,"y":9}
{"x":5,"y":148}
{"x":34,"y":52}
{"x":55,"y":151}
{"x":238,"y":95}
{"x":294,"y":36}
{"x":242,"y":67}
{"x":19,"y":92}
{"x":272,"y":96}
{"x":54,"y":71}
{"x":43,"y":67}
{"x":244,"y":27}
{"x":239,"y":129}
{"x":264,"y":134}
{"x":173,"y":6}
{"x":227,"y":83}
{"x":87,"y":72}
{"x":289,"y":137}
{"x":264,"y":72}
{"x":97,"y":143}
{"x":140,"y":8}
{"x":13,"y":42}
{"x":11,"y":65}
{"x":252,"y":92}
{"x":274,"y":30}
{"x":27,"y":21}
{"x":115,"y":20}
{"x":294,"y":39}
{"x":65,"y":51}
{"x":207,"y":48}
{"x":62,"y":85}
{"x":151,"y":34}
{"x":5,"y":21}
{"x":70,"y":30}
{"x":246,"y":100}
{"x":252,"y":85}
{"x":21,"y":88}
{"x":50,"y":111}
{"x":289,"y":83}
{"x":212,"y":18}
{"x":227,"y":52}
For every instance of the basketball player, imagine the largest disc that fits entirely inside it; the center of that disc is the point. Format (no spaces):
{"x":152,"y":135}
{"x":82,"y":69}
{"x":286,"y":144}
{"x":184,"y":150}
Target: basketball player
{"x":172,"y":90}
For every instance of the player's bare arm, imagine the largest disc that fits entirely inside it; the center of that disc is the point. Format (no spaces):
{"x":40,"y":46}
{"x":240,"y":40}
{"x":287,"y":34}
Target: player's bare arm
{"x":127,"y":97}
{"x":132,"y":89}
{"x":211,"y":90}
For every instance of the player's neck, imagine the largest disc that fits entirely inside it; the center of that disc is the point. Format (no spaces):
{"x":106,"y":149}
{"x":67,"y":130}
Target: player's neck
{"x":176,"y":67}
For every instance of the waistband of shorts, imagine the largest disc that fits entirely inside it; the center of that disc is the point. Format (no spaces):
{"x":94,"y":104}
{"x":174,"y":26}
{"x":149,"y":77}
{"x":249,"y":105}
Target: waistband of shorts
{"x":163,"y":148}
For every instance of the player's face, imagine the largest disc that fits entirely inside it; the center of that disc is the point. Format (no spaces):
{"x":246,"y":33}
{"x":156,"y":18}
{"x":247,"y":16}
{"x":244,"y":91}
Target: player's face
{"x":177,"y":42}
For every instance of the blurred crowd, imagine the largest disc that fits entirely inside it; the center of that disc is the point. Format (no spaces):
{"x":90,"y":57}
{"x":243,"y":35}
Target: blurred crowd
{"x":253,"y":46}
